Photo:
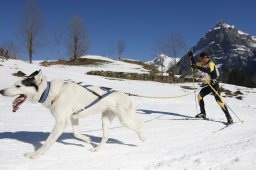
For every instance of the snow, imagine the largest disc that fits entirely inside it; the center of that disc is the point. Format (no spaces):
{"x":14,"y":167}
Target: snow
{"x":216,"y":28}
{"x":242,"y":33}
{"x":213,"y":42}
{"x":240,"y":48}
{"x":171,"y":141}
{"x":163,"y":62}
{"x":225,"y":25}
{"x":253,"y":44}
{"x":219,"y":66}
{"x":112,"y":65}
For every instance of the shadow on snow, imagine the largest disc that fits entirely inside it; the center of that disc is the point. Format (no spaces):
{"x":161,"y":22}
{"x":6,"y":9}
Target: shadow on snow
{"x":144,"y":111}
{"x":35,"y":138}
{"x":181,"y":116}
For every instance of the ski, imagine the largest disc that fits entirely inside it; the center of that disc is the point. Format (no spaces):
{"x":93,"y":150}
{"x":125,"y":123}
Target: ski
{"x":209,"y":119}
{"x":206,"y":119}
{"x":227,"y":125}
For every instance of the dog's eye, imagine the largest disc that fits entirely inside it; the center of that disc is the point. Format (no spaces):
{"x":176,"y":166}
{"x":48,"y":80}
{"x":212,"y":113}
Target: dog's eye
{"x":18,"y":86}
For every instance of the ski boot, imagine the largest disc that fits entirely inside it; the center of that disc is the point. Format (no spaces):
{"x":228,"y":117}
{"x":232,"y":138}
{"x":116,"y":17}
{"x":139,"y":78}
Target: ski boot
{"x":230,"y":121}
{"x":201,"y":115}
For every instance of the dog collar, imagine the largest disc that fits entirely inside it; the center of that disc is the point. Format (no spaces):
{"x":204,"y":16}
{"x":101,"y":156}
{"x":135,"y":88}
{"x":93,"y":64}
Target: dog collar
{"x":45,"y":93}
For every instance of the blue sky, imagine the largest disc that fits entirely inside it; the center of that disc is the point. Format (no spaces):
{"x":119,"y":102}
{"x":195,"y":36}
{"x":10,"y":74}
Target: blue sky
{"x":140,"y":23}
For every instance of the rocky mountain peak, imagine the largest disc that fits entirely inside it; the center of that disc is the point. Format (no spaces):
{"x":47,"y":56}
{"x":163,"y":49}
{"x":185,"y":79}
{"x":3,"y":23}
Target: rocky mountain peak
{"x":228,"y":47}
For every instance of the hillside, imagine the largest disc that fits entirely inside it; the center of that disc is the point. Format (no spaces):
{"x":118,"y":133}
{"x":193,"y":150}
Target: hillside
{"x":174,"y":140}
{"x":100,"y":63}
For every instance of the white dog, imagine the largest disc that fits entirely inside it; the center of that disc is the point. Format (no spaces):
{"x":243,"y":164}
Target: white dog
{"x":69,"y":101}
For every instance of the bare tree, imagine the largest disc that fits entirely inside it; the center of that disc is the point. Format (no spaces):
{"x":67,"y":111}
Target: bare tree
{"x":176,"y":44}
{"x":4,"y":53}
{"x":78,"y":43}
{"x":160,"y":47}
{"x":172,"y":46}
{"x":31,"y":27}
{"x":120,"y":48}
{"x":11,"y":49}
{"x":58,"y":41}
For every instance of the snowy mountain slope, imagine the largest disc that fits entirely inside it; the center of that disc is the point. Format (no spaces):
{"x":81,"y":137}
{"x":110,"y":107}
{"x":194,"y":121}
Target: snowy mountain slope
{"x":171,"y":141}
{"x":163,"y":62}
{"x":228,"y":46}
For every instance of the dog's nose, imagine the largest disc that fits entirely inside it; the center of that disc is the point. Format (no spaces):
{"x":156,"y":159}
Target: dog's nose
{"x":1,"y":92}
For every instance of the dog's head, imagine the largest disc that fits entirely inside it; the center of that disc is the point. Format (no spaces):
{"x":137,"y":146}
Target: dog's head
{"x":26,"y":88}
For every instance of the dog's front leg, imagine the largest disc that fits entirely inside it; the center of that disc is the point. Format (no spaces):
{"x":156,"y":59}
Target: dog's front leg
{"x":57,"y":131}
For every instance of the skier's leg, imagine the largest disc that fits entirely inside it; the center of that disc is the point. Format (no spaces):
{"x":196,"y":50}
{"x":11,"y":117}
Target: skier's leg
{"x":221,"y":103}
{"x":203,"y":92}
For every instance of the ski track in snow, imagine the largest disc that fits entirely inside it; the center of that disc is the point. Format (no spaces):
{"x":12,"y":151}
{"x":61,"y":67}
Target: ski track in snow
{"x":171,"y":143}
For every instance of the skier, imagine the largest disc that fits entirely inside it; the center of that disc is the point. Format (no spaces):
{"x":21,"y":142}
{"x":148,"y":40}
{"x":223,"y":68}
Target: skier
{"x":207,"y":66}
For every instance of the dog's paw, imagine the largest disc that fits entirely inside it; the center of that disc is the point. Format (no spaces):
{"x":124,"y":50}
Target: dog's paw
{"x":141,"y":137}
{"x":96,"y":149}
{"x":32,"y":155}
{"x":29,"y":155}
{"x":86,"y":139}
{"x":75,"y":116}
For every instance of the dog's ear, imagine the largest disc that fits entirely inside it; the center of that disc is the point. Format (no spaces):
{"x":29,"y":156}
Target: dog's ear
{"x":38,"y":77}
{"x":34,"y":74}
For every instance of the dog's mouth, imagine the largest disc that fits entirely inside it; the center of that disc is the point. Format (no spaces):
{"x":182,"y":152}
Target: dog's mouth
{"x":18,"y":101}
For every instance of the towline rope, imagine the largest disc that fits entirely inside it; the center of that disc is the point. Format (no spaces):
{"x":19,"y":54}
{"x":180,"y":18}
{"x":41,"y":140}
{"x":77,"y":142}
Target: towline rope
{"x":162,"y":97}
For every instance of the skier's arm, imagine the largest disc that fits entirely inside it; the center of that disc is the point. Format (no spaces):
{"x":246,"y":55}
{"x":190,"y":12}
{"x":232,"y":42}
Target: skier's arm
{"x":205,"y":69}
{"x":190,"y":54}
{"x":193,"y":61}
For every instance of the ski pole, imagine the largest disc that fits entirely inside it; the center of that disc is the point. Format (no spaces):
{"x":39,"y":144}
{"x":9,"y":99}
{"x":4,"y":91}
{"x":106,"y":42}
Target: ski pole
{"x":193,"y":80}
{"x":224,"y":101}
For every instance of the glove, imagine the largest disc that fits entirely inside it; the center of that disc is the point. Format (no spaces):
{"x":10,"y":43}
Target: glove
{"x":214,"y":81}
{"x":190,"y":53}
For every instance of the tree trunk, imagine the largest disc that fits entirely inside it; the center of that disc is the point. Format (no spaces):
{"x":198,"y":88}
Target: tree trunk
{"x":30,"y":47}
{"x":75,"y":47}
{"x":174,"y":66}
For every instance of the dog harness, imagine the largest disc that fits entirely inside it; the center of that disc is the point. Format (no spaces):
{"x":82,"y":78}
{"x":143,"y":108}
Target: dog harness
{"x":99,"y":97}
{"x":45,"y":93}
{"x":107,"y":90}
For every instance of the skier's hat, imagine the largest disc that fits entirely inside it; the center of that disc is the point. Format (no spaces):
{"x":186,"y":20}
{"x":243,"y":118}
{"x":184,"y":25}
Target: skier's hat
{"x":204,"y":54}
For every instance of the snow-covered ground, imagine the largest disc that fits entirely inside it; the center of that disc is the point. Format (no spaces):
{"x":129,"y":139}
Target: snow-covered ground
{"x":172,"y":142}
{"x":110,"y":65}
{"x":114,"y":65}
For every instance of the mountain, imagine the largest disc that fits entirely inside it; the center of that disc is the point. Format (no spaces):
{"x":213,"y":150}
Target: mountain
{"x":163,"y":62}
{"x":229,"y":47}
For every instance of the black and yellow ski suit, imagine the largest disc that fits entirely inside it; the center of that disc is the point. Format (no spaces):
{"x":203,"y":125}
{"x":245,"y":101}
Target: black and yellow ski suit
{"x":212,"y":78}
